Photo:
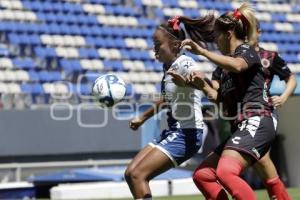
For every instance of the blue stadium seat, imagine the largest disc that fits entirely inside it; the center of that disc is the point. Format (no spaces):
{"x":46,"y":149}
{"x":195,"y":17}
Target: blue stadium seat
{"x":75,"y":30}
{"x":70,"y":65}
{"x":26,"y":63}
{"x":84,"y":89}
{"x":34,"y":39}
{"x":276,"y":17}
{"x":267,"y":26}
{"x":33,"y":75}
{"x":26,"y":88}
{"x":55,"y":76}
{"x":54,"y":29}
{"x":88,"y":53}
{"x":37,"y":89}
{"x":150,"y":66}
{"x":91,"y":76}
{"x":158,"y":87}
{"x":129,"y":90}
{"x":193,"y":13}
{"x":148,"y":22}
{"x":14,"y":39}
{"x":65,"y":29}
{"x":119,"y":43}
{"x":4,"y":51}
{"x":85,"y":30}
{"x":46,"y":76}
{"x":45,"y":52}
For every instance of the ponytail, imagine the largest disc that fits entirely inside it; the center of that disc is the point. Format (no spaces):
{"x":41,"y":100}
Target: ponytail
{"x":242,"y":21}
{"x":199,"y":30}
{"x":248,"y":20}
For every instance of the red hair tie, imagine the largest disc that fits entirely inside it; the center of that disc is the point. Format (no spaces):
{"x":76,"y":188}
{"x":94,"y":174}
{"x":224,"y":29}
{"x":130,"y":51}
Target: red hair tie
{"x":174,"y":23}
{"x":239,"y":16}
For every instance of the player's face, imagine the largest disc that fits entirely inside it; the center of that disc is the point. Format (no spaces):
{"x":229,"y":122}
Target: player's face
{"x":223,"y":41}
{"x":162,"y":48}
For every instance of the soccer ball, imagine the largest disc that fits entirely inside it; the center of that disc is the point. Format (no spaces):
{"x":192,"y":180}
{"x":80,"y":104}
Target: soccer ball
{"x":109,"y":89}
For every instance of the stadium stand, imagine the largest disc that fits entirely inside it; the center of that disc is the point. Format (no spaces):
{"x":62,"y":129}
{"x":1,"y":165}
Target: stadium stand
{"x":44,"y":42}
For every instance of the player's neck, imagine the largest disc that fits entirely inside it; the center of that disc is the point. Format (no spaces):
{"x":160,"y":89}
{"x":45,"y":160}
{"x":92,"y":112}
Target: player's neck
{"x":234,"y":44}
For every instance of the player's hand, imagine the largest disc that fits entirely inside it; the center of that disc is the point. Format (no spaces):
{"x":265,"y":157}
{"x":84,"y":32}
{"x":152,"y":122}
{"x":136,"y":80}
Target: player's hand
{"x":135,"y":123}
{"x":197,"y":80}
{"x":192,"y":47}
{"x":178,"y":79}
{"x":278,"y":101}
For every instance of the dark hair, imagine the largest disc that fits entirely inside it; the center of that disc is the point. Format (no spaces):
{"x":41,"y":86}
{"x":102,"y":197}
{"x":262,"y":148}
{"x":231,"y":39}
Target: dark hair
{"x":242,"y":21}
{"x":199,"y":30}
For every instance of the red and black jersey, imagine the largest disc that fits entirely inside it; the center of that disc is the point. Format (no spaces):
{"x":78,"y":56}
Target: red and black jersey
{"x":272,"y":65}
{"x":244,"y":93}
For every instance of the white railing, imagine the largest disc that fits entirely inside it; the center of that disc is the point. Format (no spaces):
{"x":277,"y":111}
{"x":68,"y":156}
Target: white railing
{"x":18,"y":167}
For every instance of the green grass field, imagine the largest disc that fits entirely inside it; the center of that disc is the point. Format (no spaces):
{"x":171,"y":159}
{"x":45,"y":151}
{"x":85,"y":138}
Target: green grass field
{"x":261,"y":195}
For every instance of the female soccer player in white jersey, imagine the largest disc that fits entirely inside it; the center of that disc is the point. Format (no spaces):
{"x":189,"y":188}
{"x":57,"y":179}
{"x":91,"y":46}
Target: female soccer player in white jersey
{"x":184,"y":136}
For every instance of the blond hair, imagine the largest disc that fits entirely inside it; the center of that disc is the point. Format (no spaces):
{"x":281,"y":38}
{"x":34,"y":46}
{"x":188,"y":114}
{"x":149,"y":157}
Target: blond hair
{"x":248,"y":12}
{"x":242,"y":21}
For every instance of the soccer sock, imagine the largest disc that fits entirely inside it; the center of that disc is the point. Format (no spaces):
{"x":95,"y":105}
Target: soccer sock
{"x":228,"y":172}
{"x":276,"y":189}
{"x":205,"y":179}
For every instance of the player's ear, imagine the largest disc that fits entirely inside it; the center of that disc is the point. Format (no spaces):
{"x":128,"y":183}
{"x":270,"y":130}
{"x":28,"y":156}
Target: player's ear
{"x":229,"y":34}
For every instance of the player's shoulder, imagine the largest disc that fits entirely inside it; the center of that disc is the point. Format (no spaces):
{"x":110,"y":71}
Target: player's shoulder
{"x":244,"y":48}
{"x":268,"y":52}
{"x":184,"y":60}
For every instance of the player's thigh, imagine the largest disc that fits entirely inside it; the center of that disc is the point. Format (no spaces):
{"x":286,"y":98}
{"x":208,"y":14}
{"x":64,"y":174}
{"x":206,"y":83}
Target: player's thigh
{"x":139,"y":156}
{"x":153,"y":164}
{"x":265,"y":167}
{"x":243,"y":158}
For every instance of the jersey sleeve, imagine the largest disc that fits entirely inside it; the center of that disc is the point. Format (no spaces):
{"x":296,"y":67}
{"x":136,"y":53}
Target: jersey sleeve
{"x":248,"y":53}
{"x":184,"y":66}
{"x":216,"y":75}
{"x":280,"y":68}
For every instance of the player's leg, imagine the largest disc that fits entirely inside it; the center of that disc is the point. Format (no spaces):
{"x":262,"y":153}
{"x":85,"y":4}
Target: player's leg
{"x":205,"y":179}
{"x":268,"y":173}
{"x":135,"y":162}
{"x":230,"y":167}
{"x":152,"y":164}
{"x":250,"y":142}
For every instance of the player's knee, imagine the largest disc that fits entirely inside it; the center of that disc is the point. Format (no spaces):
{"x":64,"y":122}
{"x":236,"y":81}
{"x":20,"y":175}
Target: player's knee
{"x":127,"y":174}
{"x":131,"y":174}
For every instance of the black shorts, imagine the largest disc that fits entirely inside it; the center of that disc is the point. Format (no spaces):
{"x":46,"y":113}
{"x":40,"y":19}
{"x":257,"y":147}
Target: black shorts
{"x":254,"y":136}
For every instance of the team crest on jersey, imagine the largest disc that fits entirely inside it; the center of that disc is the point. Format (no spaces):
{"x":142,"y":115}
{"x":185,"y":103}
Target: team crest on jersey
{"x":265,"y":63}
